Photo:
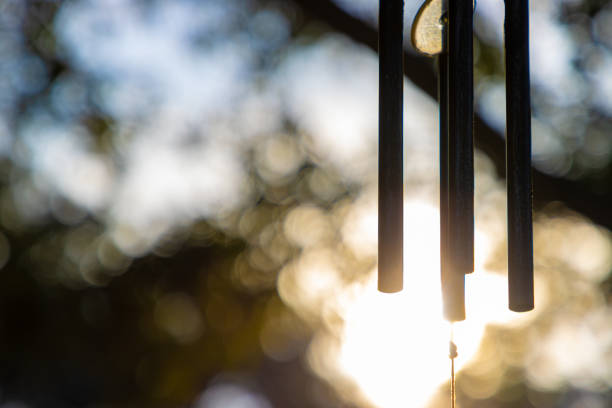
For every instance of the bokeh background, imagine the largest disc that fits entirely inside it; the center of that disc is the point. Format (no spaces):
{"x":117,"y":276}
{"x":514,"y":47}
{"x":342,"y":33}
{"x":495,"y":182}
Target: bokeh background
{"x":188,"y":211}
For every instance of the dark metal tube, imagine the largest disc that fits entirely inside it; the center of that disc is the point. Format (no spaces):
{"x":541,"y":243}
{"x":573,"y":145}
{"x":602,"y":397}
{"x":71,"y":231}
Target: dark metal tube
{"x":453,"y":287}
{"x":390,"y":148}
{"x":460,"y":148}
{"x":518,"y":157}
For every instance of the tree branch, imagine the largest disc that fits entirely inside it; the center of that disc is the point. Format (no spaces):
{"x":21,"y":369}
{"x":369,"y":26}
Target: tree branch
{"x":419,"y":70}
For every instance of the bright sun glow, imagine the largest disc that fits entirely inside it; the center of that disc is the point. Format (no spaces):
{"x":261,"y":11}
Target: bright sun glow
{"x":395,"y":347}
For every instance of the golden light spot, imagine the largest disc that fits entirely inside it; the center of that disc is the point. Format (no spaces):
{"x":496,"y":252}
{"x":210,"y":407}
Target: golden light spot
{"x":177,"y":314}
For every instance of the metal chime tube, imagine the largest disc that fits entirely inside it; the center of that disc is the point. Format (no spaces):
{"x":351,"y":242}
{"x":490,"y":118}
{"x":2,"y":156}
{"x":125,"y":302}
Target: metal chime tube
{"x":443,"y":103}
{"x":453,"y":291}
{"x":453,"y":284}
{"x":390,"y":148}
{"x":461,"y":148}
{"x":518,"y":157}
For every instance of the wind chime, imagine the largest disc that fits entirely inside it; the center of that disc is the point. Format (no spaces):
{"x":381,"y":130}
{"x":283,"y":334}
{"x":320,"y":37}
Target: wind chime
{"x":443,"y":29}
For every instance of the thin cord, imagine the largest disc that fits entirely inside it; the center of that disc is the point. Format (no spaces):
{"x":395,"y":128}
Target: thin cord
{"x":452,"y":353}
{"x":452,"y":383}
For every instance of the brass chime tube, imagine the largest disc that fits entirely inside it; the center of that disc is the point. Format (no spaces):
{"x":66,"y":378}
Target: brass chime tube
{"x":518,"y":157}
{"x":390,"y":148}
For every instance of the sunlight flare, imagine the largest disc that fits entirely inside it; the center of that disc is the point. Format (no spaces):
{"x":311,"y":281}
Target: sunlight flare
{"x":394,"y":348}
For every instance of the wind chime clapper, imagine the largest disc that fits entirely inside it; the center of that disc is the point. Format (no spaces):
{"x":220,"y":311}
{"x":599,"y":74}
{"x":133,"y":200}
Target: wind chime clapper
{"x":443,"y":28}
{"x":390,"y":149}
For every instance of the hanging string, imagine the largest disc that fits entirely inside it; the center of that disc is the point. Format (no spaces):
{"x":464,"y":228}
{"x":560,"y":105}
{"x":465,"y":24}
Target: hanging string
{"x":452,"y":353}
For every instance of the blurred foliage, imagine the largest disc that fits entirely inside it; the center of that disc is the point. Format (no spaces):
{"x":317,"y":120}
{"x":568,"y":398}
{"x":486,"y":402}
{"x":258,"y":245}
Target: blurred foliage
{"x":107,"y":302}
